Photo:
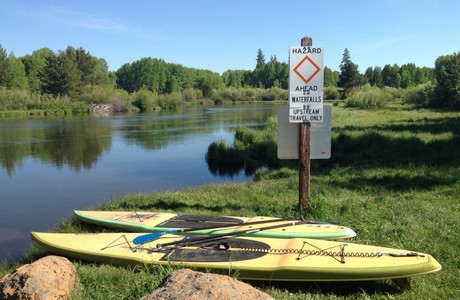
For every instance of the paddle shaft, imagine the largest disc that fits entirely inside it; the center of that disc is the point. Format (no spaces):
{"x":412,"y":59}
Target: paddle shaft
{"x":155,"y":235}
{"x":201,"y":240}
{"x":142,"y":239}
{"x":180,"y":230}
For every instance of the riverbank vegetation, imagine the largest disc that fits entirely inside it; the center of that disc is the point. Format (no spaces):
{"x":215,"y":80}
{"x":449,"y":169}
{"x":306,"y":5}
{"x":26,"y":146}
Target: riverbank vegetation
{"x":68,"y":81}
{"x":393,"y":177}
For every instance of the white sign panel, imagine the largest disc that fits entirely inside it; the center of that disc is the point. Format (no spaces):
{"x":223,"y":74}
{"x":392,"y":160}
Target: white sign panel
{"x":306,"y":113}
{"x":288,"y":136}
{"x":306,"y":80}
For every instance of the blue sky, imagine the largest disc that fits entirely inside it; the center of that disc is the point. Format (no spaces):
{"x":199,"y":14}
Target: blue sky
{"x":223,"y":35}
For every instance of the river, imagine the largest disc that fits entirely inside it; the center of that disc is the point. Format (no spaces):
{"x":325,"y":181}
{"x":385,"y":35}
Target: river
{"x":50,"y":167}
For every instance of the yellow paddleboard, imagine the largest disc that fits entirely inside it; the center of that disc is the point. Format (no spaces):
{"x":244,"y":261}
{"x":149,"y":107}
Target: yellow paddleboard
{"x":160,"y":222}
{"x":250,"y":258}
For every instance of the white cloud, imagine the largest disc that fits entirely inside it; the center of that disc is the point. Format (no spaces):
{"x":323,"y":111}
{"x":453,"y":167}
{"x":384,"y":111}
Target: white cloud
{"x":79,"y":19}
{"x":378,"y":44}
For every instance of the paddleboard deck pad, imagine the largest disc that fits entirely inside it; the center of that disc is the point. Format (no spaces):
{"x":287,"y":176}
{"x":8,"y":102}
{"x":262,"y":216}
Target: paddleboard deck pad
{"x":251,"y":258}
{"x":160,"y":222}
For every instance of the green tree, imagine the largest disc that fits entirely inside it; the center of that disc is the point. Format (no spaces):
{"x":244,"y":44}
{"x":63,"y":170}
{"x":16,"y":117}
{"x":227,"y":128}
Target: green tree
{"x":269,"y":73}
{"x":177,"y":79}
{"x":16,"y":76}
{"x":408,"y":73}
{"x":330,"y":77}
{"x":233,"y":78}
{"x":60,"y":76}
{"x":391,"y":76}
{"x":145,"y":74}
{"x":160,"y":77}
{"x":447,"y":89}
{"x":204,"y":83}
{"x":282,"y":75}
{"x":12,"y":73}
{"x":208,"y":81}
{"x":424,"y":75}
{"x":259,"y":72}
{"x":125,"y":78}
{"x":374,"y":76}
{"x":406,"y":79}
{"x":34,"y":64}
{"x":173,"y":84}
{"x":3,"y":66}
{"x":349,"y":77}
{"x":70,"y":71}
{"x":260,"y":60}
{"x":93,"y":70}
{"x":236,"y":78}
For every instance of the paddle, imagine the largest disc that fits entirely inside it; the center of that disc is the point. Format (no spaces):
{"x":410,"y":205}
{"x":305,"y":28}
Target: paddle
{"x":200,"y":240}
{"x":142,"y":239}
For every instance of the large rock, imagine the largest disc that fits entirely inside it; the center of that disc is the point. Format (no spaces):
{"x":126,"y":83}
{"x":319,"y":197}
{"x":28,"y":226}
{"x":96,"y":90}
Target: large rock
{"x":191,"y":285}
{"x":52,"y":277}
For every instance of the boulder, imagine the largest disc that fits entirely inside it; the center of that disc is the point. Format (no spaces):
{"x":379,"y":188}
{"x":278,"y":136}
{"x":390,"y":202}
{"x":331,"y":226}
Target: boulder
{"x":52,"y":277}
{"x":191,"y":285}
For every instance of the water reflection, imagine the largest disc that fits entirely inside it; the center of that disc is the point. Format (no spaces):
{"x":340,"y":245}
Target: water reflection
{"x":51,"y":167}
{"x":80,"y":143}
{"x":77,"y":143}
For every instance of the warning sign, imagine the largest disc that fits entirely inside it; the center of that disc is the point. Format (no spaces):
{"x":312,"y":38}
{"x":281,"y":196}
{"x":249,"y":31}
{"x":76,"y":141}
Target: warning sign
{"x":306,"y":80}
{"x":306,"y":113}
{"x":306,"y":72}
{"x":288,"y":136}
{"x":298,"y":69}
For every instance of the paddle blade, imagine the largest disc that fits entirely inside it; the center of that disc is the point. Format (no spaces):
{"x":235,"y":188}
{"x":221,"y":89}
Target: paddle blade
{"x":145,"y":238}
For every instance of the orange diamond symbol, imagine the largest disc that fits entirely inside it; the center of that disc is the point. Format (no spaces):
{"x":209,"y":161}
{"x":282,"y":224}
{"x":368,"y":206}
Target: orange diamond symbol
{"x":297,"y":71}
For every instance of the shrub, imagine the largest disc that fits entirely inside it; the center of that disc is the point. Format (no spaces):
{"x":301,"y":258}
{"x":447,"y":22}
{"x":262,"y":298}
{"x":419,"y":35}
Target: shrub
{"x":395,"y":93}
{"x":169,"y":101}
{"x":232,"y":94}
{"x":144,"y":100}
{"x":284,"y":172}
{"x":331,"y":93}
{"x":420,"y":94}
{"x":250,"y":94}
{"x":275,"y":94}
{"x":96,"y":94}
{"x":13,"y":99}
{"x":369,"y":98}
{"x":119,"y":98}
{"x":78,"y":107}
{"x":190,"y":95}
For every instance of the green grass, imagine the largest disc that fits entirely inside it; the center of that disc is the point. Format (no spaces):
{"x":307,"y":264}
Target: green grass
{"x":394,"y":177}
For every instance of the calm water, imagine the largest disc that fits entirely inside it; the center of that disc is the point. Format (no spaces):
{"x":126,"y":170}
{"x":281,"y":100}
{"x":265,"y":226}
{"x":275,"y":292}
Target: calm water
{"x":48,"y":168}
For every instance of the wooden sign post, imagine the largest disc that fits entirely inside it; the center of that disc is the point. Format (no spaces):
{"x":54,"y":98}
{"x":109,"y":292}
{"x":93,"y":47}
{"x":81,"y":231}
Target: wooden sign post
{"x":306,"y":82}
{"x":304,"y":151}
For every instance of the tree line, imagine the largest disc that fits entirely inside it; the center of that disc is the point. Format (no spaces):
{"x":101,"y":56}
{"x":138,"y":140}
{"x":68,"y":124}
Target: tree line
{"x":75,"y":75}
{"x":438,"y":86}
{"x":47,"y":72}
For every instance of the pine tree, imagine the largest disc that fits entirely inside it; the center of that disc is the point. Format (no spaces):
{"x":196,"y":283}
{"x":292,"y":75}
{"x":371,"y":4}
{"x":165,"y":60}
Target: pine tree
{"x":349,"y":77}
{"x":260,"y":58}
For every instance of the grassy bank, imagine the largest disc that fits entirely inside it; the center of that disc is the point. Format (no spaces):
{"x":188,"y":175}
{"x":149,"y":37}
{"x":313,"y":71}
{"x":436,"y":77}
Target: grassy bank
{"x":394,"y":177}
{"x":23,"y":104}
